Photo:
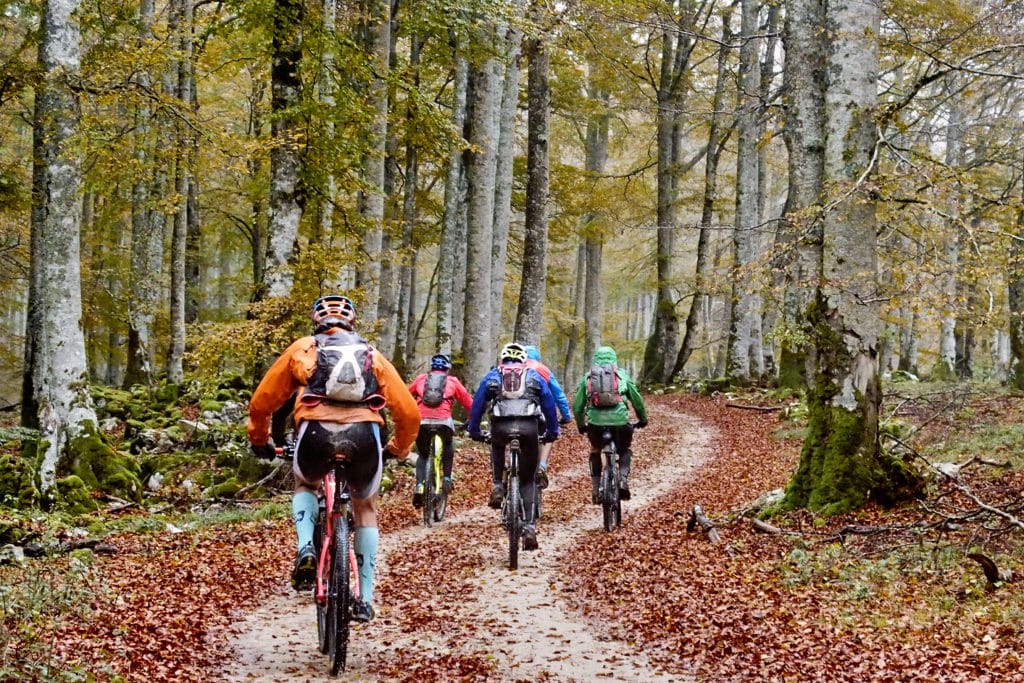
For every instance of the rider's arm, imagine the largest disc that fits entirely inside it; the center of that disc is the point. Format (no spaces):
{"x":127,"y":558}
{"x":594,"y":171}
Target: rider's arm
{"x":547,"y":406}
{"x":579,"y":403}
{"x":476,"y":410}
{"x":633,"y":394}
{"x":276,"y":387}
{"x":461,"y":394}
{"x":404,"y":411}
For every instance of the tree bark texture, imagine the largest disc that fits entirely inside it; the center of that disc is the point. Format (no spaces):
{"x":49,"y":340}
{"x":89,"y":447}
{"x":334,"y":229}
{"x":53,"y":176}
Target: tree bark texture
{"x":533,"y":287}
{"x":56,"y":399}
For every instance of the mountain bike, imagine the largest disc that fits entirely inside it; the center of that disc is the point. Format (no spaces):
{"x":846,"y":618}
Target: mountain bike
{"x":610,"y":482}
{"x":337,"y":574}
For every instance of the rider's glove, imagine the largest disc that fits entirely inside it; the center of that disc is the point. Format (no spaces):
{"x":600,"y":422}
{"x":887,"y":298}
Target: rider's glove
{"x":564,"y":421}
{"x":264,"y":452}
{"x":641,"y":424}
{"x":477,"y":436}
{"x":388,"y":454}
{"x":549,"y":437}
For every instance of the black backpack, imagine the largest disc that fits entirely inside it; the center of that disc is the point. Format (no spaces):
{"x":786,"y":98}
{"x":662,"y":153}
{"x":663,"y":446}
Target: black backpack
{"x":344,"y":369}
{"x":433,"y":388}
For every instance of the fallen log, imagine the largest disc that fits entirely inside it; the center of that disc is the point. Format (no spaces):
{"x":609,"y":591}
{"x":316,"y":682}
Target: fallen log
{"x":697,"y":518}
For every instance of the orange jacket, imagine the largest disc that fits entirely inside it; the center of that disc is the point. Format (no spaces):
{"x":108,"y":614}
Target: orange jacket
{"x":292,"y":370}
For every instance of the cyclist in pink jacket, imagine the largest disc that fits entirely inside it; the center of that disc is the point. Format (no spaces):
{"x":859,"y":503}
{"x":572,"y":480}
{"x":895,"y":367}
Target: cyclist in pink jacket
{"x":436,"y":393}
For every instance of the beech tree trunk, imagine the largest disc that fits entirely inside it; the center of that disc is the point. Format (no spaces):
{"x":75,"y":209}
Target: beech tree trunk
{"x":55,"y":396}
{"x":533,"y":287}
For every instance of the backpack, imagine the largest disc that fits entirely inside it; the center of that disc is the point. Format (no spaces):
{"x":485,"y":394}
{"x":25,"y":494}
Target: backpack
{"x":513,"y":381}
{"x":603,"y":386}
{"x":433,"y":389}
{"x":344,"y":369}
{"x":513,"y":400}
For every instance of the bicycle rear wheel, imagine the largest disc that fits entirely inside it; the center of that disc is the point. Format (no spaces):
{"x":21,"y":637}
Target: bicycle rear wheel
{"x":514,"y":505}
{"x":429,"y":489}
{"x":339,"y":606}
{"x":610,"y":503}
{"x":440,"y":493}
{"x":319,"y":538}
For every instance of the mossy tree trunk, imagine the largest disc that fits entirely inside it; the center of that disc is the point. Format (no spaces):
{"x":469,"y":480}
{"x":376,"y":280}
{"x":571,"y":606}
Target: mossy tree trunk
{"x":841,"y":465}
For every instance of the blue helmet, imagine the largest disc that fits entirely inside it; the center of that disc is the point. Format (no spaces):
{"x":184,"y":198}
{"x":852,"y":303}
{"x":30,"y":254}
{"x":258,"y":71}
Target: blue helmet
{"x":532,"y":352}
{"x":441,"y":362}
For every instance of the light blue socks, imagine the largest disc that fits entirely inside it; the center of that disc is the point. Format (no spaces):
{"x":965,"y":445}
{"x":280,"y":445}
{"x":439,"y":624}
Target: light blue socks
{"x":304,"y":509}
{"x":366,"y":541}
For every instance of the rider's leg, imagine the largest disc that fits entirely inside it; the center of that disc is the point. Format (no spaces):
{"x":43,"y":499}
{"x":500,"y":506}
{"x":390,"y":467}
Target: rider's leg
{"x":594,"y":436}
{"x":448,"y":449}
{"x":542,"y":466}
{"x":367,"y":539}
{"x":623,"y":442}
{"x":497,"y":467}
{"x":308,"y":469}
{"x":528,"y":455}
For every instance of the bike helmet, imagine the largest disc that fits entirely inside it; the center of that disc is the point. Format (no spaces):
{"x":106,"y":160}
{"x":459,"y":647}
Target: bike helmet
{"x":441,"y":362}
{"x":512,"y":352}
{"x":333,"y":310}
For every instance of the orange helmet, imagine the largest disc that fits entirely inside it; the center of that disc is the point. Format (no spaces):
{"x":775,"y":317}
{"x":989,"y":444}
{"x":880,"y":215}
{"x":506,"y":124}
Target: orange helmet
{"x":333,"y":310}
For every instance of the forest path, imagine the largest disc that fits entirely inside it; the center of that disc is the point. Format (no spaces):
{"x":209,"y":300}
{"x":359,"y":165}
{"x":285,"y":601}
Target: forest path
{"x":510,"y":623}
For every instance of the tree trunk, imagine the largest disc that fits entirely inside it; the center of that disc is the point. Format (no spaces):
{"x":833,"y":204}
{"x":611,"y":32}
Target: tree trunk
{"x":799,"y":239}
{"x":453,"y":250}
{"x":55,"y":396}
{"x":478,"y":351}
{"x":594,"y":224}
{"x":717,"y":136}
{"x":746,"y":359}
{"x":371,"y":202}
{"x":512,"y":60}
{"x":147,"y":239}
{"x":287,"y":196}
{"x":533,"y":290}
{"x":841,"y":465}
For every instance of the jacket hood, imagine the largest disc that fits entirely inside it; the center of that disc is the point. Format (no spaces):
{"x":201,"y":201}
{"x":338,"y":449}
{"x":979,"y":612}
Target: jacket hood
{"x":605,"y":354}
{"x":532,"y":352}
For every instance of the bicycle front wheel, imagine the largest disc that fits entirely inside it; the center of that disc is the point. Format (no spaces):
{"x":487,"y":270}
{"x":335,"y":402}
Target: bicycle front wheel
{"x":339,"y":606}
{"x":515,"y":521}
{"x":429,"y":488}
{"x":610,"y":503}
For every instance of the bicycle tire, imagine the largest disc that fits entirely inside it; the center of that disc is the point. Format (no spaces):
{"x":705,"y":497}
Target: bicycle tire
{"x":515,"y":506}
{"x":339,"y":597}
{"x":319,"y":536}
{"x":440,"y":495}
{"x":429,"y":474}
{"x":610,"y":504}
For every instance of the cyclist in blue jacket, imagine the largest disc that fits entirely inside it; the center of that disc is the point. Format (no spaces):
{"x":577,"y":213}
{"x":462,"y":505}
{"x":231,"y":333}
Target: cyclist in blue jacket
{"x":518,"y":397}
{"x":533,"y":361}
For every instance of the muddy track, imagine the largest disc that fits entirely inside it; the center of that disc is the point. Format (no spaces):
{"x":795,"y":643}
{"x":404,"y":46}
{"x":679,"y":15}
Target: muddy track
{"x":481,"y":621}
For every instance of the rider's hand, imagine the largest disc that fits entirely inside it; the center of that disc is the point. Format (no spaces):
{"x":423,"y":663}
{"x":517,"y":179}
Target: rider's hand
{"x":477,"y":436}
{"x":641,"y":424}
{"x":264,"y":452}
{"x":564,"y":421}
{"x":549,"y":437}
{"x":388,"y":454}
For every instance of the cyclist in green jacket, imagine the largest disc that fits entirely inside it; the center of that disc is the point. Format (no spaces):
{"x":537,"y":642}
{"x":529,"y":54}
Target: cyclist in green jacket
{"x":601,"y":401}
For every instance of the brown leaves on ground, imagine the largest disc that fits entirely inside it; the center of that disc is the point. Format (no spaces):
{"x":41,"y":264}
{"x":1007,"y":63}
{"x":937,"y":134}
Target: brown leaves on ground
{"x":755,"y":607}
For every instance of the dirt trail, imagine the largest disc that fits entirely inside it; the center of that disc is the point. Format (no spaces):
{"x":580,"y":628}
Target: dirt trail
{"x":514,"y":618}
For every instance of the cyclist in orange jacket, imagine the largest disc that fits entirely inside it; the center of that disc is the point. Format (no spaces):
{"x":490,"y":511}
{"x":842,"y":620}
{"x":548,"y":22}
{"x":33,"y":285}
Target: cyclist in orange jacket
{"x":435,"y":404}
{"x":326,"y":426}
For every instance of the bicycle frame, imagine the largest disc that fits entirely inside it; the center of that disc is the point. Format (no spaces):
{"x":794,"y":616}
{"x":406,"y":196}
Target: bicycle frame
{"x":435,"y":499}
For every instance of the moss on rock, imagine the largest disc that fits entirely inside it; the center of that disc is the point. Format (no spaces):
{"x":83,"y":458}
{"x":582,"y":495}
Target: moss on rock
{"x":75,"y":496}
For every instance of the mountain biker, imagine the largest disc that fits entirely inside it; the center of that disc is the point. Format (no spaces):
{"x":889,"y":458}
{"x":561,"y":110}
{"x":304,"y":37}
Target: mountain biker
{"x":326,"y":427}
{"x":592,"y":420}
{"x":519,"y":397}
{"x":437,"y":419}
{"x":533,"y":361}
